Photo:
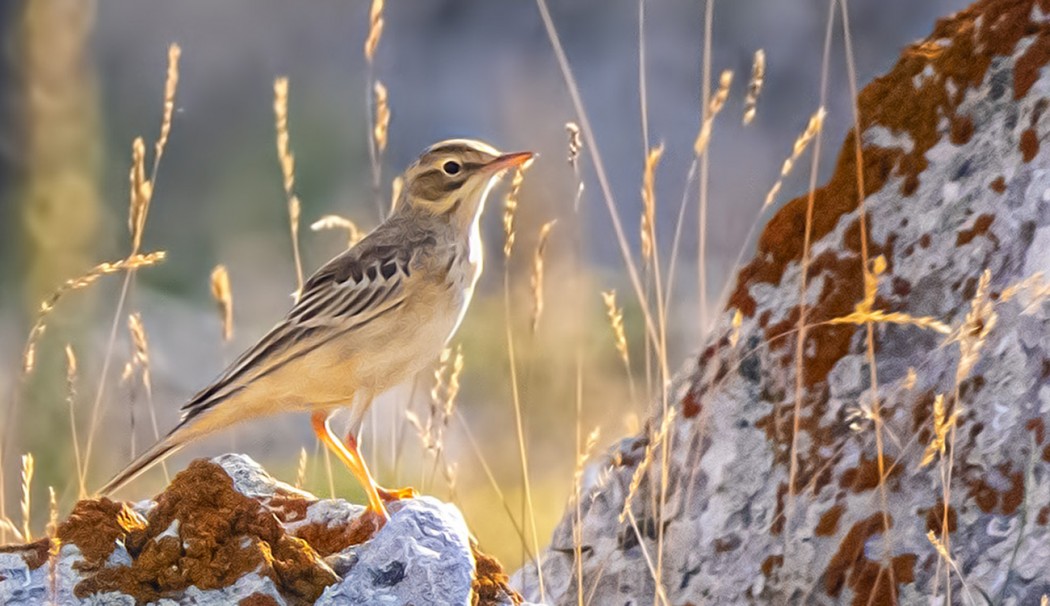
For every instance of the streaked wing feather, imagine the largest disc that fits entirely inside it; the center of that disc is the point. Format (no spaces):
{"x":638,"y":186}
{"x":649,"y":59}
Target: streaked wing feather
{"x":348,"y":292}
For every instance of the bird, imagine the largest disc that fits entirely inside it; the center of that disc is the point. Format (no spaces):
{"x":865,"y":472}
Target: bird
{"x":366,"y":321}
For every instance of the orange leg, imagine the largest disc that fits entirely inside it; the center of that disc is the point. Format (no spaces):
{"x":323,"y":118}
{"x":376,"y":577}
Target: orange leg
{"x":349,"y":455}
{"x":386,"y":494}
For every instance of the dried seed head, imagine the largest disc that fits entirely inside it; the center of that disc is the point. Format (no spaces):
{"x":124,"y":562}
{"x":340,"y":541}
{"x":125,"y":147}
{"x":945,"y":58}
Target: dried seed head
{"x":575,"y":143}
{"x":284,"y":154}
{"x":754,"y":86}
{"x":27,"y":489}
{"x":648,"y":221}
{"x":510,"y":209}
{"x":816,"y":124}
{"x":536,"y":279}
{"x":615,"y":315}
{"x":375,"y":29}
{"x":223,"y":295}
{"x":353,"y":234}
{"x":715,"y":105}
{"x":171,"y":84}
{"x":382,"y":117}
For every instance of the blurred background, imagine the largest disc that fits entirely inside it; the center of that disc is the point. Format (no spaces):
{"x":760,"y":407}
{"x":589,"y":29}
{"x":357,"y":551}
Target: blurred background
{"x":80,"y":79}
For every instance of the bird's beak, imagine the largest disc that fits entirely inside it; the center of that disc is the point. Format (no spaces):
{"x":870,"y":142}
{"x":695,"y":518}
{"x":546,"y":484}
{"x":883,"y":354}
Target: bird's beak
{"x":506,"y":161}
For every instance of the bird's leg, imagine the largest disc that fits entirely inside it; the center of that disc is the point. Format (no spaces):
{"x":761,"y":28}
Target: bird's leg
{"x":386,"y":494}
{"x":349,"y":455}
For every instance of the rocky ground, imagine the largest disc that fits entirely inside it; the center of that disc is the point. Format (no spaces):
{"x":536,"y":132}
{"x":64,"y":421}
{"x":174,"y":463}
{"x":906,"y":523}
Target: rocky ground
{"x":224,"y":532}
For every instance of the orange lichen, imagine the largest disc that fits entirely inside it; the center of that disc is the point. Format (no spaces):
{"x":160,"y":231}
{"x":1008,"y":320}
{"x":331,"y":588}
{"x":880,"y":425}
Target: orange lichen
{"x":95,"y":527}
{"x":201,"y":533}
{"x":1029,"y":144}
{"x":771,"y":563}
{"x":258,"y":599}
{"x":872,"y":582}
{"x":990,"y":499}
{"x":865,"y":476}
{"x":829,"y":521}
{"x":980,"y":227}
{"x":490,"y":585}
{"x":690,"y":407}
{"x":961,"y":130}
{"x":34,"y":554}
{"x":326,"y":540}
{"x":954,"y":59}
{"x":935,"y":518}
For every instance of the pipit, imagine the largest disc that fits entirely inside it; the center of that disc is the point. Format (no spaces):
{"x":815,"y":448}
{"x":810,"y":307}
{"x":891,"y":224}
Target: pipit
{"x":368,"y":320}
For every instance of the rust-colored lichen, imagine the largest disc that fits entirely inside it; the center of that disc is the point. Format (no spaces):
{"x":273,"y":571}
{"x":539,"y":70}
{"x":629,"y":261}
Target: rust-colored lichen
{"x":961,"y":130}
{"x":326,"y":539}
{"x":771,"y":563}
{"x":34,"y":554}
{"x":95,"y":526}
{"x":996,"y":491}
{"x":258,"y":599}
{"x":829,"y":521}
{"x":1029,"y":144}
{"x":980,"y":227}
{"x":935,"y":518}
{"x":690,"y":407}
{"x":953,"y":60}
{"x":490,"y":581}
{"x":872,"y":582}
{"x":865,"y":476}
{"x":201,"y":533}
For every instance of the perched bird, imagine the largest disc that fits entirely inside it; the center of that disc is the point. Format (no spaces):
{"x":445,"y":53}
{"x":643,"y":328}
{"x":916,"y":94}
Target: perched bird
{"x":369,"y":319}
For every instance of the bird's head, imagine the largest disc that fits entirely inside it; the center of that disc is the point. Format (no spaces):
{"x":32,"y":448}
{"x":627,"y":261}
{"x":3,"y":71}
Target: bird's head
{"x":453,"y":178}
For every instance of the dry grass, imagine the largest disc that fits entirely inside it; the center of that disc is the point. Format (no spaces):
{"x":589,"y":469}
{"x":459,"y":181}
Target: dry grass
{"x":74,"y":284}
{"x":223,"y":296}
{"x":27,"y":497}
{"x":536,"y":278}
{"x":287,"y":162}
{"x":330,"y":222}
{"x":816,"y":123}
{"x":754,"y":86}
{"x":970,"y":336}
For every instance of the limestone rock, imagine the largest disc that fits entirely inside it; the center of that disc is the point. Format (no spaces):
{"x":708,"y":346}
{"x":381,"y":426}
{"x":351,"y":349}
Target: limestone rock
{"x":807,"y":474}
{"x":225,"y":532}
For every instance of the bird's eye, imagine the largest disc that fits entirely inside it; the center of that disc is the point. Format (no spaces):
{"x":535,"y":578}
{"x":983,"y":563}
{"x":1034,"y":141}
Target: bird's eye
{"x":451,"y":167}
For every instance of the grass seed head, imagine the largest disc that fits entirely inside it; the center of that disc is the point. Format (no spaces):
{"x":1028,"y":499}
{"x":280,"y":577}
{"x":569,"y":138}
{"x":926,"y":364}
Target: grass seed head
{"x":816,"y":124}
{"x":715,"y":105}
{"x":648,"y":221}
{"x":382,"y":117}
{"x":536,"y":279}
{"x":375,"y":29}
{"x":754,"y":86}
{"x":223,"y":295}
{"x":353,"y":233}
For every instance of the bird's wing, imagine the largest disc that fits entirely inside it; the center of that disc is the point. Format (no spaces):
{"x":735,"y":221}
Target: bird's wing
{"x":348,"y":292}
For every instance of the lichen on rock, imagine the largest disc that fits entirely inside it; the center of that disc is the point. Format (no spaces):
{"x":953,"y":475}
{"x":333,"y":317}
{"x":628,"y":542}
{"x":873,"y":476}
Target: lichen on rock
{"x":225,"y":532}
{"x":811,"y":480}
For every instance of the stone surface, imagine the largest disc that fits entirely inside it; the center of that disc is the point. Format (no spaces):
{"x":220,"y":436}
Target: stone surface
{"x":225,"y":532}
{"x":789,"y":480}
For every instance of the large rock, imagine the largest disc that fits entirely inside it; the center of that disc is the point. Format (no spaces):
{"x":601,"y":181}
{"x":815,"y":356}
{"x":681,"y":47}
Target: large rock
{"x":790,"y":478}
{"x":225,"y":532}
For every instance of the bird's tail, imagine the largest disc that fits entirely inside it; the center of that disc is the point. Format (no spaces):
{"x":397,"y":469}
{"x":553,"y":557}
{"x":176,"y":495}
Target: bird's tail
{"x":157,"y":453}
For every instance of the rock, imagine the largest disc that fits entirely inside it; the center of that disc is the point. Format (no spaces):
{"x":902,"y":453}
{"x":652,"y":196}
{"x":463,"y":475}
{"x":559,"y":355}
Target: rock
{"x":225,"y":532}
{"x":820,"y":480}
